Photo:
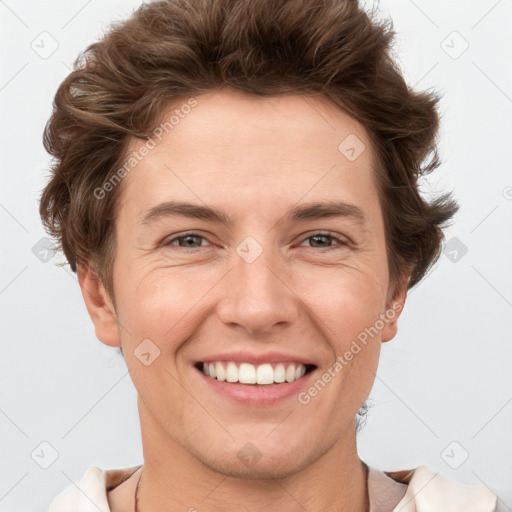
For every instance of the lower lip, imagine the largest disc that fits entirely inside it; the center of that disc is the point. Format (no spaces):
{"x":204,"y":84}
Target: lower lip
{"x":254,"y":394}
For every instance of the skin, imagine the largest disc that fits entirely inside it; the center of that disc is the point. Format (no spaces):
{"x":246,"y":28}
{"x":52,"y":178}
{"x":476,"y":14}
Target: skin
{"x":252,"y":157}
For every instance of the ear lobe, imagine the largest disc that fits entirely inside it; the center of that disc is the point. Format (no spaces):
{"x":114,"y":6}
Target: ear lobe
{"x":99,"y":306}
{"x":394,"y":309}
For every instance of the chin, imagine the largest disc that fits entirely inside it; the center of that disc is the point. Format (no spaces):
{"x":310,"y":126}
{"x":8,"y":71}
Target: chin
{"x":274,"y":468}
{"x":262,"y":459}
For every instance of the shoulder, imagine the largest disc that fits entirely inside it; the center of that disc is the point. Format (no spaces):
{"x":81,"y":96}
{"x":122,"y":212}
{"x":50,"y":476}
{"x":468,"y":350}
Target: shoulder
{"x":429,"y":491}
{"x":90,"y":493}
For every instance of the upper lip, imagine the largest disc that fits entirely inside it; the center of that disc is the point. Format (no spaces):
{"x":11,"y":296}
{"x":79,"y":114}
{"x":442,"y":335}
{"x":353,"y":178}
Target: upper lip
{"x":256,"y":359}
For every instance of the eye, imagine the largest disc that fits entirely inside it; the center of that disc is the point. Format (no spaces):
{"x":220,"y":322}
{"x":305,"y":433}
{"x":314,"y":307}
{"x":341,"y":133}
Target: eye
{"x":193,"y":240}
{"x":188,"y":241}
{"x":324,"y":240}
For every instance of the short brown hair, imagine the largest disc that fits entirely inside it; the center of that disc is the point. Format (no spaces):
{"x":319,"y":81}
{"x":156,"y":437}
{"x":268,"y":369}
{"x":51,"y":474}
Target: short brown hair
{"x":172,"y":49}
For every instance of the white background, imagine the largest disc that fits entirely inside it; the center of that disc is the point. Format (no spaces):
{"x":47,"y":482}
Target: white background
{"x":446,"y":377}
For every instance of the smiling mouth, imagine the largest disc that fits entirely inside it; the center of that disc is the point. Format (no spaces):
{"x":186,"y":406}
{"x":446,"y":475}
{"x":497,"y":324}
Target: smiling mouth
{"x":247,"y":373}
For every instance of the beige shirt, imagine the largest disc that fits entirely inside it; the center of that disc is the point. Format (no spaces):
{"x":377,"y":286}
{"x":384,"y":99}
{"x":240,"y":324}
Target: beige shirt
{"x":417,"y":490}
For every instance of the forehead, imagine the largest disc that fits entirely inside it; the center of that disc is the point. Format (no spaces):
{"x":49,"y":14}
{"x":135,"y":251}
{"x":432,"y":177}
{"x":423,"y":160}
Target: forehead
{"x":232,"y":120}
{"x":264,"y":147}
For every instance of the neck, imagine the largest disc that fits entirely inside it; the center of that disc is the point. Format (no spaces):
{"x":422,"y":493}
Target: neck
{"x":173,"y":479}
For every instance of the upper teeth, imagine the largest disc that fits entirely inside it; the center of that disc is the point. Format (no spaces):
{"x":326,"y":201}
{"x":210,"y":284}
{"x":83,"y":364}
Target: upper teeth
{"x":246,"y":373}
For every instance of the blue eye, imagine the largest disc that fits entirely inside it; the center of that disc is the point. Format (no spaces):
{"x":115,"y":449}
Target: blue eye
{"x":195,"y":240}
{"x":321,"y":237}
{"x":186,"y":241}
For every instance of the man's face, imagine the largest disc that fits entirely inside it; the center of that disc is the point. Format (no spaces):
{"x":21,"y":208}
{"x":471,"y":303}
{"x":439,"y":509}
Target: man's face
{"x":268,"y":288}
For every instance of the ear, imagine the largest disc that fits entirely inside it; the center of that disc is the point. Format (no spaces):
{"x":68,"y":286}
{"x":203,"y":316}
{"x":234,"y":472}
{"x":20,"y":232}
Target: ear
{"x":394,"y":308}
{"x":100,"y":307}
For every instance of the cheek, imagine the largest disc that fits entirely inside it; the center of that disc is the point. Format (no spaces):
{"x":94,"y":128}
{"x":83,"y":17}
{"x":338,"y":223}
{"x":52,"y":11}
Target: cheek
{"x":345,"y":302}
{"x":161,"y":305}
{"x":351,"y":307}
{"x":155,"y":302}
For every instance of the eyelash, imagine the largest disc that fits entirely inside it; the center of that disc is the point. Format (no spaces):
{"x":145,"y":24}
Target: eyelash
{"x":341,"y":241}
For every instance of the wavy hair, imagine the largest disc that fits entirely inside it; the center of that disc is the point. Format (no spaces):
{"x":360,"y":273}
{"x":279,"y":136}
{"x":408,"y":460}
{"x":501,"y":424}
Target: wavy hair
{"x":168,"y":50}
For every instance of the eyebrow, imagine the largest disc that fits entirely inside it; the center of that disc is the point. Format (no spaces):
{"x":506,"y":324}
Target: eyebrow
{"x":303,"y":212}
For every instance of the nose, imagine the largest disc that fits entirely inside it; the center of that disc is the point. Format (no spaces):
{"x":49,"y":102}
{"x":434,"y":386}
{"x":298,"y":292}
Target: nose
{"x":257,"y":297}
